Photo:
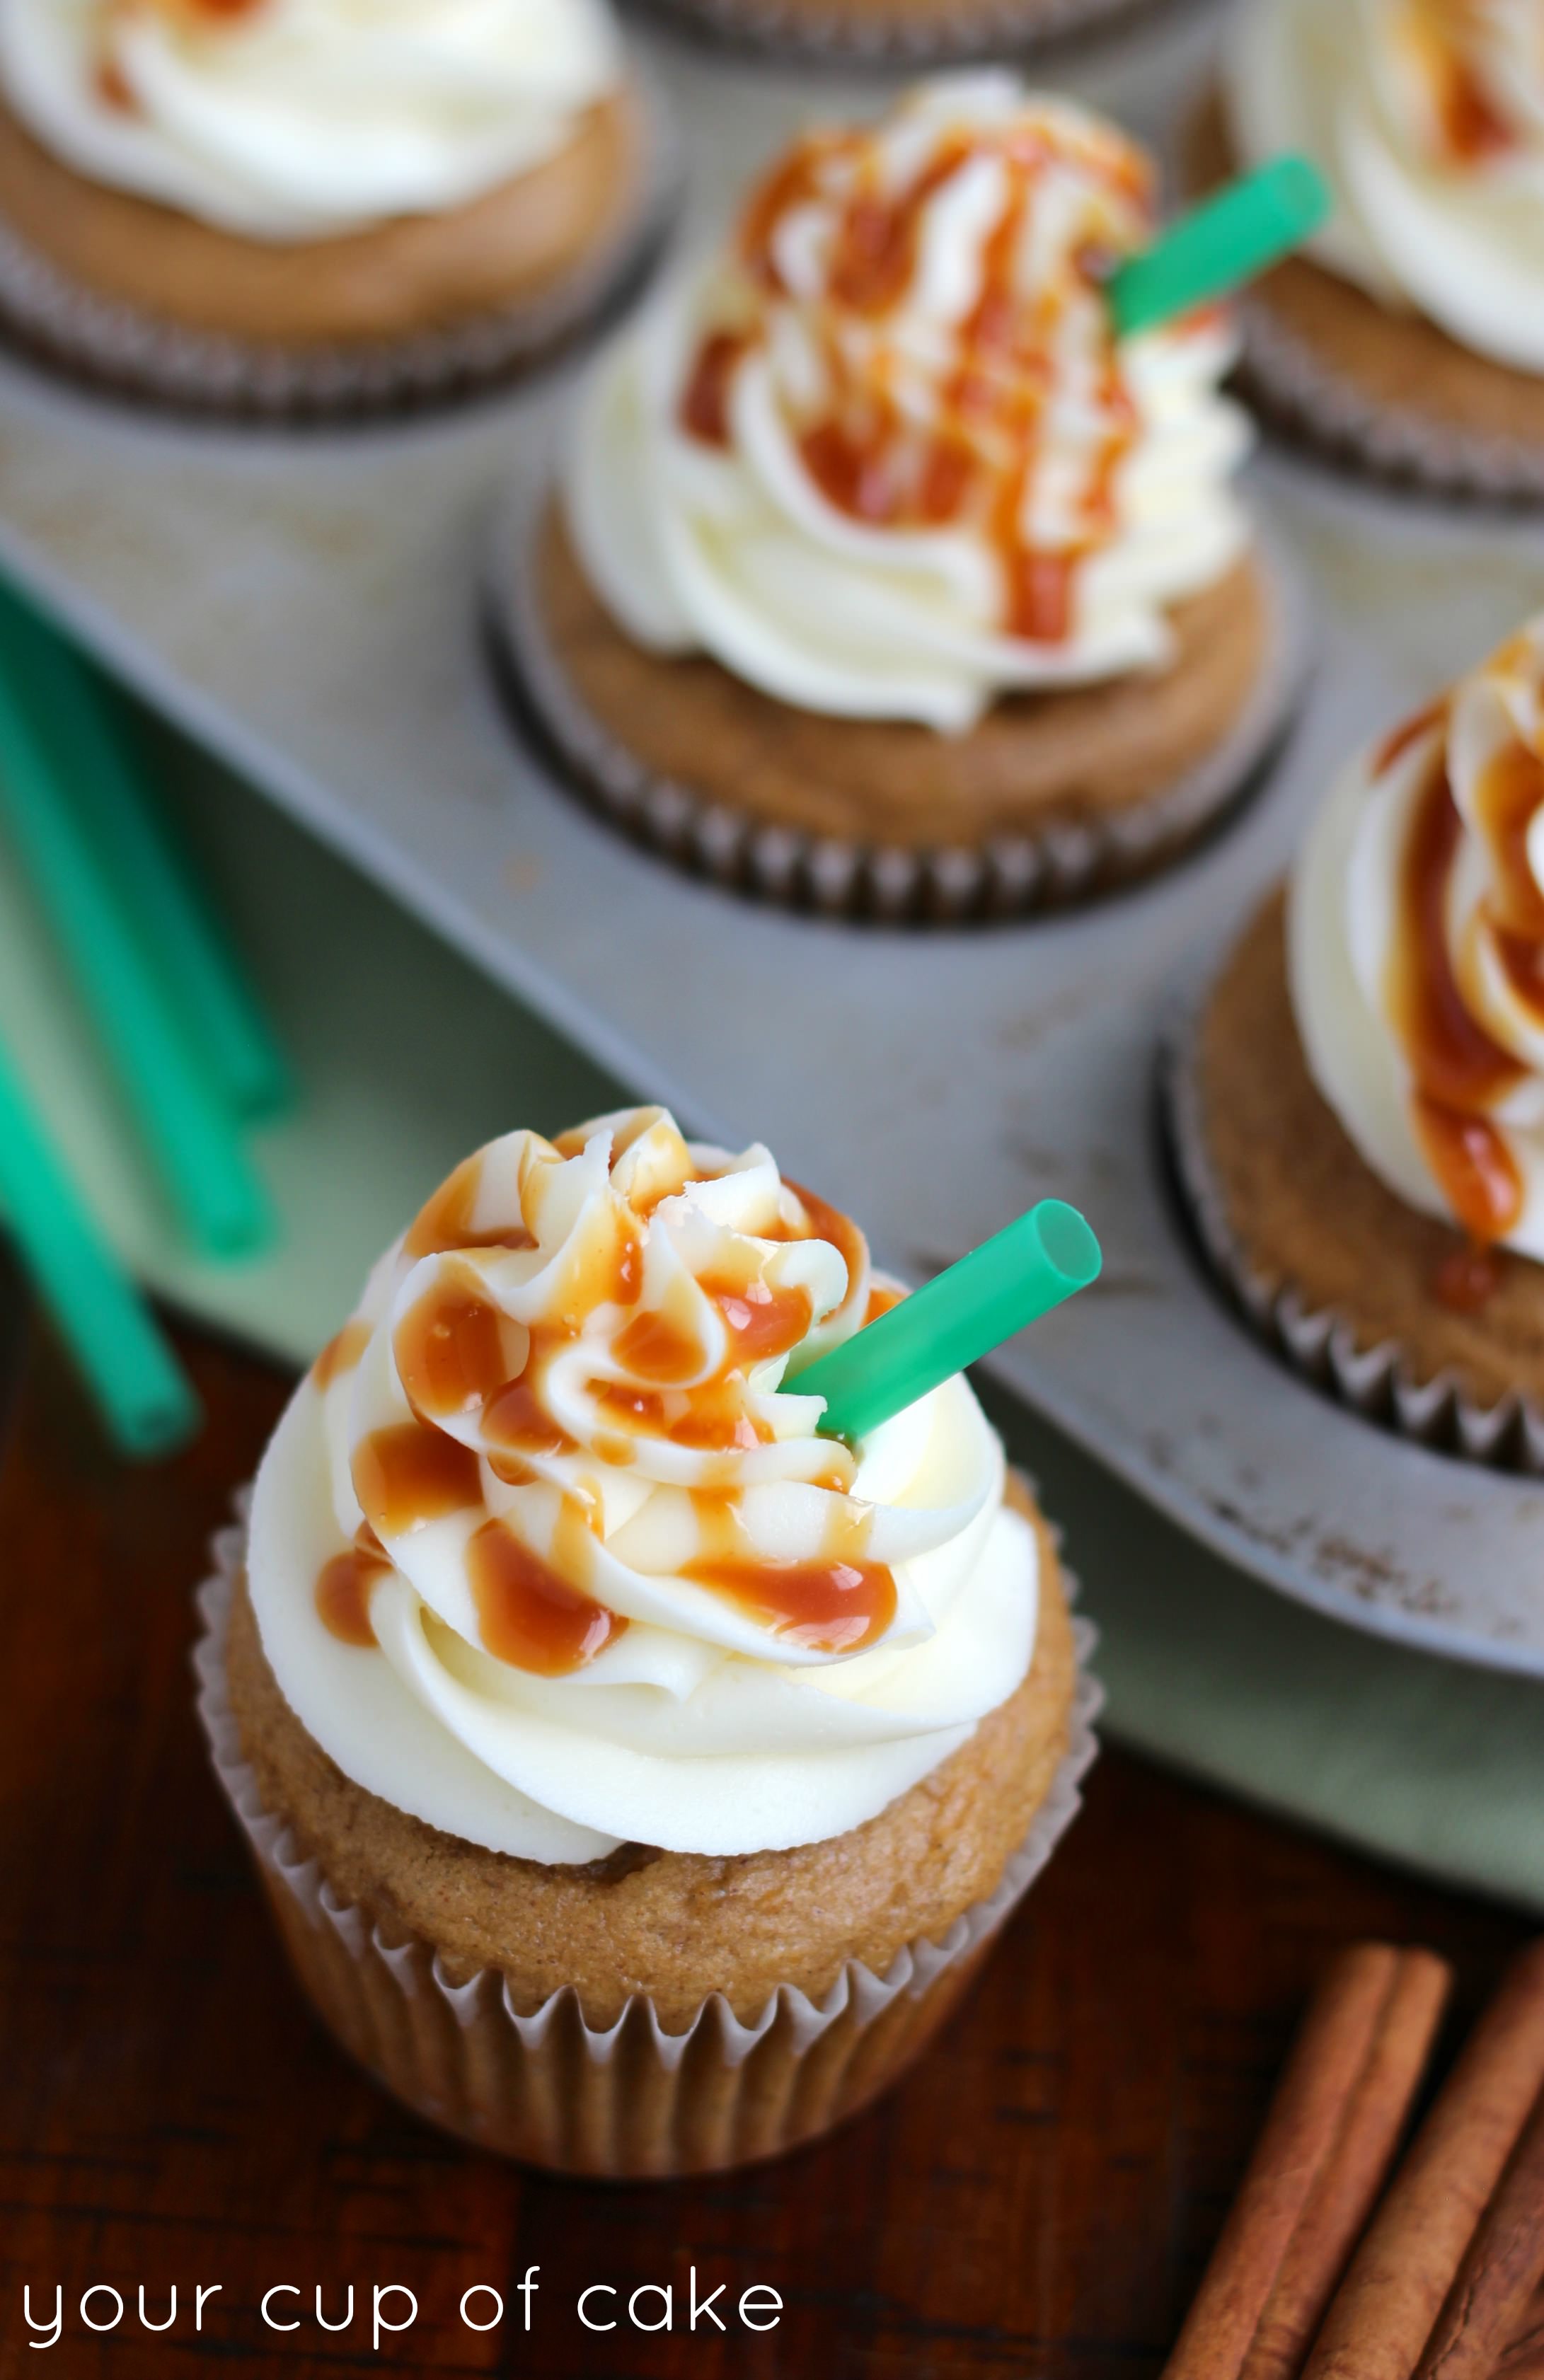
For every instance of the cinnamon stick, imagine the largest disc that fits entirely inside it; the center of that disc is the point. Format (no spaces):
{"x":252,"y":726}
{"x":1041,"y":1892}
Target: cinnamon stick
{"x":1491,"y":2300}
{"x":1387,"y":2309}
{"x":1328,"y":2139}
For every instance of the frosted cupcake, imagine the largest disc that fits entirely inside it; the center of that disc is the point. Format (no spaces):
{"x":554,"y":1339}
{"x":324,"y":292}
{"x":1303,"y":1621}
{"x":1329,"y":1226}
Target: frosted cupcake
{"x":883,"y":574}
{"x":1412,"y":332}
{"x":914,"y":32}
{"x":293,"y":202}
{"x":1362,"y":1119}
{"x":637,"y":1775}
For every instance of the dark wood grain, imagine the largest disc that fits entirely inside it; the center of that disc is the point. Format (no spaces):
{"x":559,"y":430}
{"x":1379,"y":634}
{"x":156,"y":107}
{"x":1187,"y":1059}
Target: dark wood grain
{"x":1037,"y":2199}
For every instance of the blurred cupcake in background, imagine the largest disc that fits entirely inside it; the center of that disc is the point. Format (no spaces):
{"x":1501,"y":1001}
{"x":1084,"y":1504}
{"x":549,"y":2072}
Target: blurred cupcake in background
{"x":917,"y":32}
{"x":637,"y":1775}
{"x":1360,"y":1120}
{"x":1412,"y":332}
{"x":313,"y":202}
{"x":884,"y":576}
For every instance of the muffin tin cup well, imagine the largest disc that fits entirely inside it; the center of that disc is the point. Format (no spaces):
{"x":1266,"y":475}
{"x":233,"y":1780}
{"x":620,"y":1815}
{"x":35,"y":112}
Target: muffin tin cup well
{"x":878,"y":35}
{"x":633,"y":2102}
{"x":1006,"y":876}
{"x":123,"y":349}
{"x":1381,"y":1382}
{"x":1295,"y":384}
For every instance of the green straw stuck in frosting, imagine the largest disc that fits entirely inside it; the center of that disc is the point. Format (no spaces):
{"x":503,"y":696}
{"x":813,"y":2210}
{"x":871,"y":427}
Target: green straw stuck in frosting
{"x":1220,"y":245}
{"x":999,"y":1289}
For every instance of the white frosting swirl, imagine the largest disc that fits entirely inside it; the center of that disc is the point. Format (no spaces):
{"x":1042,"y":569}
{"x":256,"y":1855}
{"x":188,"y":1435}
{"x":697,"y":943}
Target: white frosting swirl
{"x":1428,"y":118}
{"x":886,"y":459}
{"x":1416,"y":949}
{"x":576,"y":1355}
{"x":295,"y":119}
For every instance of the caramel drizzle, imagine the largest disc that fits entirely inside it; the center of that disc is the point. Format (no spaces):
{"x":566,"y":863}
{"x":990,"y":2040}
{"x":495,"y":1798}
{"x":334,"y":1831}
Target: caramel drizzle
{"x":458,"y":1359}
{"x":1443,"y":36}
{"x":977,"y":462}
{"x":1459,"y":1071}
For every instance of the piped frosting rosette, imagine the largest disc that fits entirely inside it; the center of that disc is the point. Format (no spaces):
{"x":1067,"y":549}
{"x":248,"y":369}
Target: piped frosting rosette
{"x":340,"y":143}
{"x":885,"y":458}
{"x":1417,"y":941}
{"x":547,"y":1549}
{"x":301,"y":119}
{"x":1414,"y":983}
{"x":1427,"y":116}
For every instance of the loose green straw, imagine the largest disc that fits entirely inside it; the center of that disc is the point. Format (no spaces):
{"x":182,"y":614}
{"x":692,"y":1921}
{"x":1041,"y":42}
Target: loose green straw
{"x":143,"y":1394}
{"x":95,"y":764}
{"x":960,"y":1316}
{"x":189,"y":1131}
{"x":1220,"y":245}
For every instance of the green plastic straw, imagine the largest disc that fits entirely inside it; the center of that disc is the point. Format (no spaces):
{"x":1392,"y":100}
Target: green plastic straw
{"x":180,"y":935}
{"x":144,"y":1396}
{"x":997,"y":1289}
{"x":189,"y":1131}
{"x":1220,"y":245}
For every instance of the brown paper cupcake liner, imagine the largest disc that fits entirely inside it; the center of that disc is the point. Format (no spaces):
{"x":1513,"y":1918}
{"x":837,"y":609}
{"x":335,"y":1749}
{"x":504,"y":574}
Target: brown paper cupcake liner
{"x":879,"y":35}
{"x":1382,"y":1382}
{"x":1293,"y":382}
{"x":1005,"y":876}
{"x":634,"y":2100}
{"x":108,"y":342}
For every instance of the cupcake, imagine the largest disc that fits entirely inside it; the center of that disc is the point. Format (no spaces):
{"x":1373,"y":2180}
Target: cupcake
{"x":883,"y":575}
{"x":1360,"y":1119}
{"x":311,"y":203}
{"x":1412,"y":332}
{"x":635,"y":1775}
{"x":914,"y":32}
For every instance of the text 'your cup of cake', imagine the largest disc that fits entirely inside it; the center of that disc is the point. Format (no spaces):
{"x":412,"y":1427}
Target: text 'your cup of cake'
{"x":636,"y":1773}
{"x":1360,"y":1117}
{"x":888,"y":573}
{"x":314,"y":205}
{"x":1412,"y":332}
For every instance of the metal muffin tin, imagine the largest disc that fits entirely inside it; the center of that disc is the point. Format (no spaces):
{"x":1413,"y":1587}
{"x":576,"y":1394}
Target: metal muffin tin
{"x":308,"y":604}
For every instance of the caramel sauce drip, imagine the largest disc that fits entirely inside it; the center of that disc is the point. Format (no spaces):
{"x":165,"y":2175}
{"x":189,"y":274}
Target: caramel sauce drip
{"x":445,"y":1222}
{"x":880,"y":1299}
{"x":113,"y":87}
{"x":826,"y":1606}
{"x":656,"y":1346}
{"x":341,"y":1353}
{"x":528,"y":1613}
{"x":866,"y":458}
{"x":343,"y":1591}
{"x":710,"y":1421}
{"x":408,"y":1473}
{"x":515,"y":1417}
{"x":762,"y":1321}
{"x":837,"y":1602}
{"x":450,"y":1351}
{"x":1460,"y":1072}
{"x":704,"y":410}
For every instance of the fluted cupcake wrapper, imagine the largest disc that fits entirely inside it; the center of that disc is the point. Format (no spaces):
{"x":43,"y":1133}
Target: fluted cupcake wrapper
{"x":631,"y":2101}
{"x":1291,"y":380}
{"x":879,"y":35}
{"x":1002,"y":875}
{"x":135,"y":353}
{"x":1383,"y":1383}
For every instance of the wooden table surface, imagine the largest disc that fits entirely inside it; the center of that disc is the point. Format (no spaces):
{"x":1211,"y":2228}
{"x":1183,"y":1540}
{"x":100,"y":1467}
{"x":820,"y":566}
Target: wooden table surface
{"x":1037,"y":2199}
